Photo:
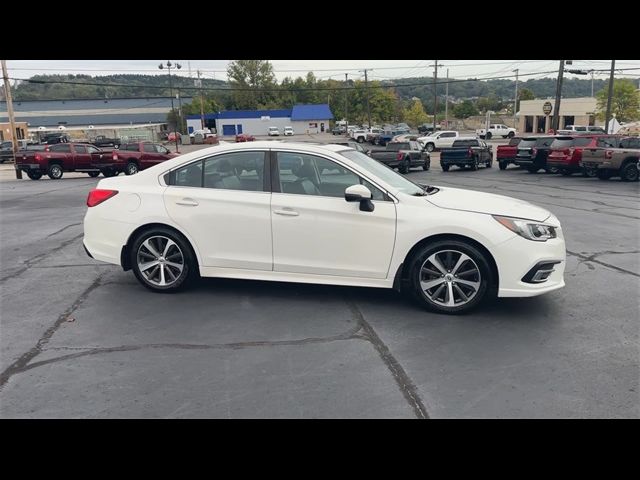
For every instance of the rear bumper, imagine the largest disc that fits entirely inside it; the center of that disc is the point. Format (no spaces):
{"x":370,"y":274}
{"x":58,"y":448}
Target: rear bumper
{"x":457,"y":161}
{"x":30,"y":167}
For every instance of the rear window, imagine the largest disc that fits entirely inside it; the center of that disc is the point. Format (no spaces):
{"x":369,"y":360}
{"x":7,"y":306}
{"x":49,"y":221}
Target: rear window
{"x":465,"y":143}
{"x":527,"y":143}
{"x":514,"y":141}
{"x":582,"y":141}
{"x":544,"y":142}
{"x":630,"y":143}
{"x":398,"y":146}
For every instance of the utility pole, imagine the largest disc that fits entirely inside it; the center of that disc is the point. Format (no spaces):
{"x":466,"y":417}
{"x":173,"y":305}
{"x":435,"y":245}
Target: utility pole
{"x":346,"y":103}
{"x":366,"y":86}
{"x":609,"y":97}
{"x":592,"y":83}
{"x":556,"y":108}
{"x":201,"y":102}
{"x":178,"y":66}
{"x":515,"y":102}
{"x":435,"y":96}
{"x":446,"y":102}
{"x":12,"y":121}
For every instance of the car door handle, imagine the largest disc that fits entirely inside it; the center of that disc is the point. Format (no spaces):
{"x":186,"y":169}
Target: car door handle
{"x":287,"y":212}
{"x":187,"y":202}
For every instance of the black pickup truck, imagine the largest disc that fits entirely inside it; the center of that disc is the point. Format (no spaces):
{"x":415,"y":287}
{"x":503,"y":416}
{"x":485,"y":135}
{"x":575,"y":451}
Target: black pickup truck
{"x":466,"y":152}
{"x":403,"y":156}
{"x":533,"y":152}
{"x":102,"y":141}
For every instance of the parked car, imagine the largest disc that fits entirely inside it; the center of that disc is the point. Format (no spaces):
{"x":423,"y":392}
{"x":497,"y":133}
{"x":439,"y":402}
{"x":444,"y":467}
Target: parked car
{"x":451,"y":248}
{"x":131,"y":158}
{"x":340,"y":130}
{"x":58,"y":158}
{"x":405,"y":137}
{"x":387,"y":136}
{"x":288,"y":131}
{"x":566,"y":151}
{"x":466,"y":152}
{"x":442,"y":139}
{"x":103,"y":141}
{"x":372,"y":134}
{"x":273,"y":132}
{"x":53,"y":138}
{"x":427,"y":128}
{"x":244,"y":137}
{"x":496,"y":130}
{"x":573,"y":129}
{"x":506,"y":154}
{"x":403,"y":156}
{"x":6,"y":151}
{"x":533,"y":152}
{"x":359,"y":135}
{"x":614,"y":162}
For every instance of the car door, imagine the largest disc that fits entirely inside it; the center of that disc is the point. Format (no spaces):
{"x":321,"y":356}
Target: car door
{"x":446,"y":140}
{"x":81,"y":157}
{"x":223,"y":203}
{"x":148,"y":156}
{"x":316,"y":231}
{"x":64,"y":149}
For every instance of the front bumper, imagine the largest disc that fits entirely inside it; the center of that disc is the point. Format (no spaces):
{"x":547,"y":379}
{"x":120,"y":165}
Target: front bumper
{"x":517,"y":257}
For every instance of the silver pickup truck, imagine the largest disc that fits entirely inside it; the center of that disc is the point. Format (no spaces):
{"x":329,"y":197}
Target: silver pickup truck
{"x":614,"y":162}
{"x":403,"y":156}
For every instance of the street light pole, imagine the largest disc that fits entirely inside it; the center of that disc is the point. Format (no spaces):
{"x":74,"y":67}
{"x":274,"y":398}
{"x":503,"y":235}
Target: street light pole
{"x":178,"y":66}
{"x":446,"y":103}
{"x":609,"y":97}
{"x":435,"y":96}
{"x":556,"y":108}
{"x":12,"y":121}
{"x":515,"y":102}
{"x":346,"y":104}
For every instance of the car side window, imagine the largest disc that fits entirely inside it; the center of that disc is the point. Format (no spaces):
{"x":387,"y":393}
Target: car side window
{"x":61,"y":148}
{"x":187,"y":176}
{"x":149,"y":148}
{"x":81,"y":149}
{"x":310,"y":175}
{"x":161,"y":149}
{"x":235,"y":171}
{"x":93,"y":149}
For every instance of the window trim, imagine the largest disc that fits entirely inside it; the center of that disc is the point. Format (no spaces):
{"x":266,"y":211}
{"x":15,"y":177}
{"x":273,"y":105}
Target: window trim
{"x":275,"y":173}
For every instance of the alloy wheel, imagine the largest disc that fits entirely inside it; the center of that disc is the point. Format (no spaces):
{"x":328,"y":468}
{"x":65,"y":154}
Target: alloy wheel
{"x":160,"y":261}
{"x":450,"y":278}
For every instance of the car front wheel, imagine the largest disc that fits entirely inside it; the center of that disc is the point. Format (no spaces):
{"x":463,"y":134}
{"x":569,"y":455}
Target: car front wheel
{"x":450,"y":276}
{"x":162,"y":260}
{"x":132,"y":168}
{"x":55,"y":172}
{"x":629,"y":172}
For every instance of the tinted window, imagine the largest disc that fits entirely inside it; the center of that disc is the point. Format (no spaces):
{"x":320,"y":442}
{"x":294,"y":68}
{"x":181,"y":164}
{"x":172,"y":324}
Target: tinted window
{"x":60,"y":148}
{"x":564,"y":142}
{"x":310,"y":175}
{"x":514,"y":141}
{"x":466,"y":143}
{"x":149,"y":148}
{"x":544,"y":142}
{"x":81,"y":149}
{"x":527,"y":143}
{"x":93,"y":149}
{"x":235,"y":171}
{"x":607,"y":142}
{"x":630,"y":143}
{"x":161,"y":149}
{"x":582,"y":141}
{"x":398,"y":146}
{"x":447,"y":135}
{"x":188,"y":176}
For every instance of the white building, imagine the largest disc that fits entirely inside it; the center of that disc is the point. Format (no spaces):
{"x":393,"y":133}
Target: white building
{"x":305,"y":119}
{"x":532,"y":116}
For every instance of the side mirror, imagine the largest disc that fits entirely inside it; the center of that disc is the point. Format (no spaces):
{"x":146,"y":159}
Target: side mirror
{"x":360,"y":193}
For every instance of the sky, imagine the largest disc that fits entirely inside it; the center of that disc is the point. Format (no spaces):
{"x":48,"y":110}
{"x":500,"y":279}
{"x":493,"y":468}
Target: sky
{"x":324,"y":69}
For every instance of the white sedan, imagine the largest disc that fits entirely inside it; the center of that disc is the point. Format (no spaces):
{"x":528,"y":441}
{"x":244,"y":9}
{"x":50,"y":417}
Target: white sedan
{"x":324,"y":214}
{"x":288,"y":131}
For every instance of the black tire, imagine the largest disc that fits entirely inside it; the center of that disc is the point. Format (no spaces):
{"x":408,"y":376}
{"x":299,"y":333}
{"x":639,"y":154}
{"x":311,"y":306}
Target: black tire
{"x":131,"y":168}
{"x":108,"y":172}
{"x":190,"y":265}
{"x":504,"y":136}
{"x":426,"y":165}
{"x":488,"y":135}
{"x":55,"y":171}
{"x":532,"y":169}
{"x":445,"y":168}
{"x":604,"y":174}
{"x":405,"y":167}
{"x":565,"y":172}
{"x":502,"y":165}
{"x":474,"y":165}
{"x":629,"y":172}
{"x":589,"y":172}
{"x":486,"y":280}
{"x":93,"y":174}
{"x":552,"y":170}
{"x":360,"y":139}
{"x":430,"y":147}
{"x":489,"y":163}
{"x":510,"y":135}
{"x":34,"y":175}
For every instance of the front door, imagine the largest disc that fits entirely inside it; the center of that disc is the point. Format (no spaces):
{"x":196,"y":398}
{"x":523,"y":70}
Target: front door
{"x":224,"y":204}
{"x":315,"y":231}
{"x":82,"y":158}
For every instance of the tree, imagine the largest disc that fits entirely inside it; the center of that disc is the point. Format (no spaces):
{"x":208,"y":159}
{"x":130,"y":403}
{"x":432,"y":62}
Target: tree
{"x":625,"y":102}
{"x":524,"y":94}
{"x":465,"y":109}
{"x":253,"y":77}
{"x":415,"y":115}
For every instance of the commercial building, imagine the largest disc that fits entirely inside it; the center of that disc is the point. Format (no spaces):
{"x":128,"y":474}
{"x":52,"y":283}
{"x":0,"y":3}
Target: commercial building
{"x":535,"y":117}
{"x":305,"y":119}
{"x":5,"y":131}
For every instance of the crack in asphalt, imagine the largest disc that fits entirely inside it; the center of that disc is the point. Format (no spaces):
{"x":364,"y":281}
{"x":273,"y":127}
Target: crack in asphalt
{"x":593,"y":258}
{"x":62,"y":229}
{"x":31,"y":261}
{"x":26,"y":357}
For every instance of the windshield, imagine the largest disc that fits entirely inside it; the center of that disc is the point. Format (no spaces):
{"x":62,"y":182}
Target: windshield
{"x":383,"y":172}
{"x":526,"y":143}
{"x":514,"y":141}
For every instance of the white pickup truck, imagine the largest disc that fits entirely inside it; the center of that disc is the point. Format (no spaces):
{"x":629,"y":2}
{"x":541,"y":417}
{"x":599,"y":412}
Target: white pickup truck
{"x":359,"y":135}
{"x":496,"y":130}
{"x":443,"y":139}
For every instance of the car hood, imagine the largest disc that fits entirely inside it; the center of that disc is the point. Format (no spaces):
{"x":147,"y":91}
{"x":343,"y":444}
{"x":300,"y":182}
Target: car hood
{"x":489,"y":203}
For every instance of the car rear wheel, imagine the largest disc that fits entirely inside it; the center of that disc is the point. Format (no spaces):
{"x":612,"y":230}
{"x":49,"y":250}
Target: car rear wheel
{"x":474,"y":165}
{"x":604,"y":174}
{"x":132,"y":168}
{"x":502,"y":165}
{"x":629,"y":172}
{"x":93,"y":174}
{"x":450,"y":276}
{"x":405,"y":167}
{"x":34,"y":175}
{"x":55,"y":172}
{"x":532,"y":169}
{"x":551,"y":170}
{"x":510,"y":135}
{"x":565,"y":172}
{"x":488,"y":135}
{"x":430,"y":147}
{"x":590,"y":172}
{"x":162,"y":260}
{"x":426,"y":165}
{"x":445,"y":168}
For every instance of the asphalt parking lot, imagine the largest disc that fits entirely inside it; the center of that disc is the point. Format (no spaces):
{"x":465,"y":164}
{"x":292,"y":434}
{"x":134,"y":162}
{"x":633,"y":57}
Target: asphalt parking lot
{"x":82,"y":339}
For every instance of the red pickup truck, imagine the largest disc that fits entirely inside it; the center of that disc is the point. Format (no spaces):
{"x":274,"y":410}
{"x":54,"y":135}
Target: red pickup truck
{"x":132,"y":157}
{"x":58,"y":158}
{"x":566,"y":154}
{"x":506,"y":154}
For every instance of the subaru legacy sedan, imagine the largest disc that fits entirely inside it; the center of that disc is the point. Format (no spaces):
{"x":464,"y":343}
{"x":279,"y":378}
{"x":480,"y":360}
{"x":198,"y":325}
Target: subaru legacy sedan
{"x":323,"y":214}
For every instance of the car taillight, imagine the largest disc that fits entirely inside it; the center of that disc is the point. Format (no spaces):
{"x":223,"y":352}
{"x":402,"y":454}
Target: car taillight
{"x":398,"y":156}
{"x":469,"y":152}
{"x":534,"y":151}
{"x":608,"y":154}
{"x":97,"y":196}
{"x":38,"y":157}
{"x":114,"y":156}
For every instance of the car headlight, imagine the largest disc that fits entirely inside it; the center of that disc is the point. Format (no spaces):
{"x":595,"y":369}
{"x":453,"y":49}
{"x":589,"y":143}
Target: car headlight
{"x":536,"y":231}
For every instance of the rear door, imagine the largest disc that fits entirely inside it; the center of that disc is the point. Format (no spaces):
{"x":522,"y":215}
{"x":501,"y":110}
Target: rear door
{"x":63,"y":152}
{"x":446,"y":139}
{"x":81,"y":157}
